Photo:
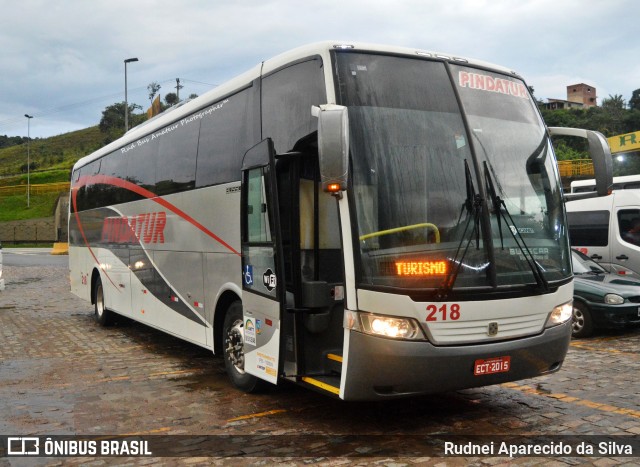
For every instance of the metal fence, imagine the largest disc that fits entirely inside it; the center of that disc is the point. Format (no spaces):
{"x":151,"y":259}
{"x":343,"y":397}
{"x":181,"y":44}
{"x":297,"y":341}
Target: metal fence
{"x":36,"y":189}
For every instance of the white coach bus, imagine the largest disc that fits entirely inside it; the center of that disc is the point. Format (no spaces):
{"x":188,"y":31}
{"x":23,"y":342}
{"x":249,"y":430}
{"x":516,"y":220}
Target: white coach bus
{"x":368,"y":221}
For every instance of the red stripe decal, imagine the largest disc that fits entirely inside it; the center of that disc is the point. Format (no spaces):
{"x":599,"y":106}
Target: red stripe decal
{"x":108,"y":180}
{"x":74,"y":193}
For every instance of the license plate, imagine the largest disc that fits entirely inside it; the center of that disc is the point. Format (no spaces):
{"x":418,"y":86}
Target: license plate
{"x":491,"y":366}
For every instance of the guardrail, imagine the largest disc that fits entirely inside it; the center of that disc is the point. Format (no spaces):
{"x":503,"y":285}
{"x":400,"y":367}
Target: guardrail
{"x":575,"y":167}
{"x":36,"y":189}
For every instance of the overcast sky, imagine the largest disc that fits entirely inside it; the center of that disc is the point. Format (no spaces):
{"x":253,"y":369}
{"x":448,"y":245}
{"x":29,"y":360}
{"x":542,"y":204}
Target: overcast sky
{"x":62,"y":61}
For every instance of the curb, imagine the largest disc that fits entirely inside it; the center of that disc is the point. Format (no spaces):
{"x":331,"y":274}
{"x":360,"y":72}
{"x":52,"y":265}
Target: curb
{"x":60,"y":249}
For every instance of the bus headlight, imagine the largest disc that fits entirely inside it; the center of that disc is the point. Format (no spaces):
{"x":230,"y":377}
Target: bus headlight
{"x":385,"y":326}
{"x":560,"y":314}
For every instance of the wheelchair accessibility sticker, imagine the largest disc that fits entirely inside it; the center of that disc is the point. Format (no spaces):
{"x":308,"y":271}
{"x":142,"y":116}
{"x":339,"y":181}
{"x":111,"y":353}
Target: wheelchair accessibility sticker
{"x":247,"y":275}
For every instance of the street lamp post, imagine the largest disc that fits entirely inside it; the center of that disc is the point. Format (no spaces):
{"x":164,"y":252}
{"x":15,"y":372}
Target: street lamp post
{"x":29,"y":117}
{"x":126,"y":103}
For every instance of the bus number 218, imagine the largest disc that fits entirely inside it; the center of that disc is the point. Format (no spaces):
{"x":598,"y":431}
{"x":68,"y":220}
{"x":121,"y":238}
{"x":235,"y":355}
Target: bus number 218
{"x":444,"y":312}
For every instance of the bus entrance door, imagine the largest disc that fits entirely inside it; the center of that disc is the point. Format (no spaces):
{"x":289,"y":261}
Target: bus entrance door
{"x":262,"y":281}
{"x":312,"y":326}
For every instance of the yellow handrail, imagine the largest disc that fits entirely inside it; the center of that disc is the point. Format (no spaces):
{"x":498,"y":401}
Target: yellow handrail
{"x":402,"y":229}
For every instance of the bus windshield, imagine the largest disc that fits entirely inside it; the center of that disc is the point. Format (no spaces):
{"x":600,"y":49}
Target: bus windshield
{"x":440,"y":204}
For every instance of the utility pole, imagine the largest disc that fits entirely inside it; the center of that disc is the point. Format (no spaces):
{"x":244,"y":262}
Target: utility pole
{"x":178,"y":87}
{"x":126,"y":102}
{"x":29,"y":117}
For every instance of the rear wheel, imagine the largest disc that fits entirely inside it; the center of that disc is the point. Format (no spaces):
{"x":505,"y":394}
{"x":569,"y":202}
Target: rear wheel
{"x":233,"y":335}
{"x":582,"y":324}
{"x":103,"y":316}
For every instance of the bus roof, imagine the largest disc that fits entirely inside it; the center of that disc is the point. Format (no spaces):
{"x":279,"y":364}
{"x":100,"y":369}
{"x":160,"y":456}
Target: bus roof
{"x":322,"y":49}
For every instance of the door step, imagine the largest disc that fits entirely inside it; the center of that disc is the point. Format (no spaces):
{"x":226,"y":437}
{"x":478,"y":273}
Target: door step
{"x":330,"y":384}
{"x":333,"y":362}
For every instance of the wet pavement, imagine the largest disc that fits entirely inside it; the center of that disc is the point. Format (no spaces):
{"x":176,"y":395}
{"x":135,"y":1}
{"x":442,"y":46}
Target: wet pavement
{"x":62,"y":374}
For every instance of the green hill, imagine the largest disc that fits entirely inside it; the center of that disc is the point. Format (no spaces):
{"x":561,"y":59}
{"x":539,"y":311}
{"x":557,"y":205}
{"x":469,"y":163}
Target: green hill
{"x":51,"y":161}
{"x":54,"y":153}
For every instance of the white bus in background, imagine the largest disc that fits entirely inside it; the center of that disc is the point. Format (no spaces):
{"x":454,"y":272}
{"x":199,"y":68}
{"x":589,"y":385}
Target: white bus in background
{"x":607,"y":229}
{"x":367,"y":221}
{"x":624,"y":182}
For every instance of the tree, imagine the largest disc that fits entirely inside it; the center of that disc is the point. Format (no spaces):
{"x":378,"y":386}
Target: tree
{"x":634,"y":102}
{"x":171,"y":98}
{"x":153,"y":89}
{"x":614,"y":110}
{"x":7,"y":141}
{"x":615,"y":102}
{"x":112,"y":121}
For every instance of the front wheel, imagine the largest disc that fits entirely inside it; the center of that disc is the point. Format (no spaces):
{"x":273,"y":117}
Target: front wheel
{"x":582,"y":324}
{"x":233,"y":334}
{"x":103,"y":316}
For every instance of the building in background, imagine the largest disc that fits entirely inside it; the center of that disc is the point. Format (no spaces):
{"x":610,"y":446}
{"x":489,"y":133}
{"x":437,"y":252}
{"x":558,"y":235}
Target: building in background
{"x":579,"y":96}
{"x":583,"y":94}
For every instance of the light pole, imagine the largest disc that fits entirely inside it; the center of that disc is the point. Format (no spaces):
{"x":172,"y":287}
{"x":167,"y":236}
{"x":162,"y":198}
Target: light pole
{"x":29,"y":117}
{"x":126,"y":103}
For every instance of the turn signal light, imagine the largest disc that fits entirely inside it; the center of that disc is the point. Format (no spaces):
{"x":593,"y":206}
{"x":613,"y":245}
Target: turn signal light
{"x":333,"y":187}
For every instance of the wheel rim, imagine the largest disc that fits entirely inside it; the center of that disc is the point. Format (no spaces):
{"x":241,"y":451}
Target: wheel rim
{"x":578,"y":320}
{"x":234,"y":346}
{"x":99,"y":301}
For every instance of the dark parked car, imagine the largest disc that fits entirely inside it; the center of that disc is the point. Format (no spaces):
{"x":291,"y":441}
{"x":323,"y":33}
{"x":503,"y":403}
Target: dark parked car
{"x":601,"y":299}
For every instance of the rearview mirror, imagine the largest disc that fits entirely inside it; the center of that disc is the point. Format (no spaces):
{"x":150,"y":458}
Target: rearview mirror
{"x":333,"y":146}
{"x":600,"y":154}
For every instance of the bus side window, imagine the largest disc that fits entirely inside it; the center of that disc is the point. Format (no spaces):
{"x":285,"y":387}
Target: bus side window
{"x":287,"y":97}
{"x":258,"y":224}
{"x":588,"y":228}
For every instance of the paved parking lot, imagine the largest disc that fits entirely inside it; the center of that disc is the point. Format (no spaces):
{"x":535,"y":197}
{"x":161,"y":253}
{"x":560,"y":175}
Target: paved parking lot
{"x":61,"y":374}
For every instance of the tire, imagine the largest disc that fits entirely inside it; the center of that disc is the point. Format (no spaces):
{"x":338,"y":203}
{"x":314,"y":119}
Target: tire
{"x":581,"y":323}
{"x":233,"y":344}
{"x":102,"y":316}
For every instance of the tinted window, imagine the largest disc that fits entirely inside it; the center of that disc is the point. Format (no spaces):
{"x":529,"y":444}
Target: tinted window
{"x":178,"y":148}
{"x":225,"y":135}
{"x":113,"y":165}
{"x":142,"y":158}
{"x":629,"y":225}
{"x":287,"y":97}
{"x":84,"y":198}
{"x":588,"y":228}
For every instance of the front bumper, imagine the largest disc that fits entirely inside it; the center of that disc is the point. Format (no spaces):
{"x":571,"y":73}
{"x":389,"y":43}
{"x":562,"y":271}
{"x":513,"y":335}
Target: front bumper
{"x":379,"y":368}
{"x":614,"y":316}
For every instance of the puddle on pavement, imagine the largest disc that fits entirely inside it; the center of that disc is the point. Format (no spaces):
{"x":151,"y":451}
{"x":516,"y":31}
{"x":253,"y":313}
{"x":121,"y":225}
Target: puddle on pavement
{"x":25,"y":281}
{"x":205,"y":386}
{"x":206,"y":383}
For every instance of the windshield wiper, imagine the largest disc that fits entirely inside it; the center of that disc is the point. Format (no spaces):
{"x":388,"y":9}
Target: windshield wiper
{"x":498,"y":205}
{"x":472,"y":205}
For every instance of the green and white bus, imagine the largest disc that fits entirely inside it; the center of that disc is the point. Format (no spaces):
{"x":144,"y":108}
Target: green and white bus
{"x":368,"y":221}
